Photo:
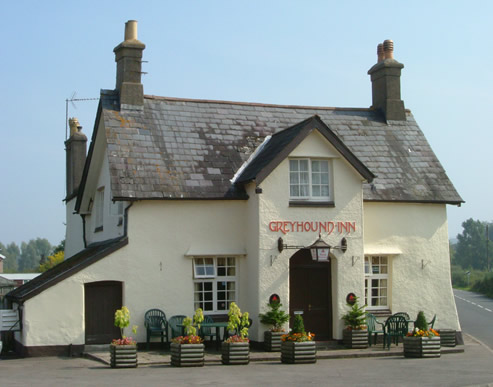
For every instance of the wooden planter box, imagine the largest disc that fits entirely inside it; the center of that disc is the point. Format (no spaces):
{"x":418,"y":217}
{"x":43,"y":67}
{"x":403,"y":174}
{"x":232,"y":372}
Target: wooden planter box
{"x":123,"y":356}
{"x":447,"y":337}
{"x":298,"y":353}
{"x":355,"y":338}
{"x":422,"y":346}
{"x":272,"y":341}
{"x":187,"y":355}
{"x":235,"y":353}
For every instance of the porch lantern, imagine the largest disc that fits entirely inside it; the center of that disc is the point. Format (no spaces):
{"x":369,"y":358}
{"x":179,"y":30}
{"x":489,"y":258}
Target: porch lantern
{"x":320,"y":250}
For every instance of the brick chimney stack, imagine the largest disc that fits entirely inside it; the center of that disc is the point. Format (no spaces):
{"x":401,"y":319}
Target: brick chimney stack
{"x":128,"y":58}
{"x":75,"y":149}
{"x":386,"y":83}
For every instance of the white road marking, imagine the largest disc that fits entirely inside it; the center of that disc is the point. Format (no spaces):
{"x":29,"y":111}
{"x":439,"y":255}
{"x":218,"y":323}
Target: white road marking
{"x":473,"y":303}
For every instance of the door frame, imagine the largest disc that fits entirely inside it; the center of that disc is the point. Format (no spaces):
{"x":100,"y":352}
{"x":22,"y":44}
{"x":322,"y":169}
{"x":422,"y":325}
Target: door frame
{"x":304,"y":256}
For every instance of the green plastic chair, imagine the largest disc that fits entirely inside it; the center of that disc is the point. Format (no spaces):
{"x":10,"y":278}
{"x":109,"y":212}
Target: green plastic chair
{"x":395,"y":327}
{"x":431,"y":324}
{"x":156,"y":325}
{"x":173,"y":324}
{"x":373,"y":329}
{"x":406,"y":316}
{"x":208,"y":331}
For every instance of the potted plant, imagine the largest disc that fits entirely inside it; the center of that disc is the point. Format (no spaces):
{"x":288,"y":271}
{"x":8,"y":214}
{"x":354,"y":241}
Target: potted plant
{"x":298,"y":346}
{"x":355,"y":335}
{"x":276,"y":318}
{"x":123,"y":351}
{"x":422,"y":341}
{"x":236,"y":348}
{"x":188,"y":350}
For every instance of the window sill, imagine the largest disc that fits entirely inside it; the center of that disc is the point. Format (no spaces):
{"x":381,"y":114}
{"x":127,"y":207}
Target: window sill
{"x":300,"y":203}
{"x":98,"y":229}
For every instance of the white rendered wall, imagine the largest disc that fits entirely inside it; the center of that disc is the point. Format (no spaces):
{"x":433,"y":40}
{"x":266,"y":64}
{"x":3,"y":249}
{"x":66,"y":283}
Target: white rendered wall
{"x":417,"y":234}
{"x":153,"y":268}
{"x":73,"y":232}
{"x":274,"y":206}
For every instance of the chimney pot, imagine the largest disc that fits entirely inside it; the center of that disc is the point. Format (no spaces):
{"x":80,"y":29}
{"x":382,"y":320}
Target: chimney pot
{"x":388,"y":49}
{"x":131,"y":30}
{"x":380,"y":52}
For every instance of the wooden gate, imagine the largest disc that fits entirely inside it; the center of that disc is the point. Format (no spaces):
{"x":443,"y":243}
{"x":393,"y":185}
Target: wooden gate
{"x":310,"y":293}
{"x":102,"y":299}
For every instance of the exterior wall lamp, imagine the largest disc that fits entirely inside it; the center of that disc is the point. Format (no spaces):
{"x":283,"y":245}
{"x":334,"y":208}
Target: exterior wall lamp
{"x":319,"y":250}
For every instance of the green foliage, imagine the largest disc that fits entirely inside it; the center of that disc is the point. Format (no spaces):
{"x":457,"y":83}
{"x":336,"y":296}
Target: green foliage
{"x":238,"y":321}
{"x":122,"y":319}
{"x":298,"y":324}
{"x":484,"y":285}
{"x":355,"y":318}
{"x":421,"y":322}
{"x":29,"y":256}
{"x":51,"y":261}
{"x":276,"y":317}
{"x":470,"y":251}
{"x":190,"y":323}
{"x":12,"y":254}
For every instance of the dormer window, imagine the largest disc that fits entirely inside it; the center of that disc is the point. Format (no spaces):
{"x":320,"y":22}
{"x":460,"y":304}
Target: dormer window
{"x":309,"y":180}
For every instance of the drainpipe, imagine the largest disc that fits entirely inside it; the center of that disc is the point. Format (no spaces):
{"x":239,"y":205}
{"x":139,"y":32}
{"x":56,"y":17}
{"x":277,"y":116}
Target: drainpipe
{"x":125,"y":224}
{"x":83,"y":216}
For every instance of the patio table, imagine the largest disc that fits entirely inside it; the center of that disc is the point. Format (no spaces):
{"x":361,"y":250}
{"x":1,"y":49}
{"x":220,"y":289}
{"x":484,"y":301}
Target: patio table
{"x":218,"y":325}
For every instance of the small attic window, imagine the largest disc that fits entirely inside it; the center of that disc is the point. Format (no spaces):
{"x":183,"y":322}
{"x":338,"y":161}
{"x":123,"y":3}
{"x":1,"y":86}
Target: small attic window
{"x":99,"y":203}
{"x":309,"y":180}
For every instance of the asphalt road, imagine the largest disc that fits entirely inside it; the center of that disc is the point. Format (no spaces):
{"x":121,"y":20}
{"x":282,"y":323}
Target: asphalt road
{"x":474,"y":367}
{"x":475,"y":315}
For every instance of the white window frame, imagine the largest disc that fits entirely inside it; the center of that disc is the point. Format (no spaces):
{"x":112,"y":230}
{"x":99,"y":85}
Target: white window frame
{"x":217,"y":281}
{"x":382,"y":292}
{"x":310,"y":196}
{"x":99,"y":215}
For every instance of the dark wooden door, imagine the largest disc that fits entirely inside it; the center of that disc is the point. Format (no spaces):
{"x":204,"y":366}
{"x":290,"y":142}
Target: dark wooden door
{"x":102,"y":299}
{"x":310,"y":293}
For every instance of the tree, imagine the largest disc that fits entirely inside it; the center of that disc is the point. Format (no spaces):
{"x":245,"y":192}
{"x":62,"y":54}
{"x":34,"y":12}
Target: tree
{"x":471,"y":245}
{"x":12,"y":255}
{"x":59,"y":247}
{"x":51,"y":261}
{"x":31,"y":254}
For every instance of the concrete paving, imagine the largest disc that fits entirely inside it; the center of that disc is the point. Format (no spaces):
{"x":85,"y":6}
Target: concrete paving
{"x":473,"y":367}
{"x":162,"y":357}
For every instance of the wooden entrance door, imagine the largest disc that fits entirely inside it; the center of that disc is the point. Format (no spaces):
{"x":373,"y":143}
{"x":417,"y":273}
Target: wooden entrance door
{"x":102,"y":299}
{"x":310,"y":293}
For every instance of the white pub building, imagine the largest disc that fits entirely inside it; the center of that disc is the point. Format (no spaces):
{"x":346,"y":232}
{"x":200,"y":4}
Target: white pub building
{"x":184,"y":203}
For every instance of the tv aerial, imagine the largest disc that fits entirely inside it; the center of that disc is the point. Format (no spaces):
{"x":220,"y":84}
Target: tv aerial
{"x":72,"y":101}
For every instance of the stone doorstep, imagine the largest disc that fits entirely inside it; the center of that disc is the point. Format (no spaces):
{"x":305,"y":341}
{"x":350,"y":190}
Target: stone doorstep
{"x":147,"y":358}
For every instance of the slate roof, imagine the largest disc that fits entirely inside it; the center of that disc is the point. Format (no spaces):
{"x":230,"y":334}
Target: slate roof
{"x":282,"y":143}
{"x":68,"y":267}
{"x":190,"y":149}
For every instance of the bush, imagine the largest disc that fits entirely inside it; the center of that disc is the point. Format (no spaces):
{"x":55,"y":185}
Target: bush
{"x":484,"y":285}
{"x":421,"y":322}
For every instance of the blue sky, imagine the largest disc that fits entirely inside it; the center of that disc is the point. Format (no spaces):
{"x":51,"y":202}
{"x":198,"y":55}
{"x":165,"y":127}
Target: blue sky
{"x":283,"y":52}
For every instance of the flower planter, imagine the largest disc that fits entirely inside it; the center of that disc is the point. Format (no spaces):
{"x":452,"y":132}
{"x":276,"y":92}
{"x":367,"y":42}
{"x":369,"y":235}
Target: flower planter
{"x":235,"y":353}
{"x":123,"y":356}
{"x":447,"y":337}
{"x":355,"y":338}
{"x":272,"y":341}
{"x":298,"y":352}
{"x":187,"y":355}
{"x":422,"y":346}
